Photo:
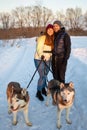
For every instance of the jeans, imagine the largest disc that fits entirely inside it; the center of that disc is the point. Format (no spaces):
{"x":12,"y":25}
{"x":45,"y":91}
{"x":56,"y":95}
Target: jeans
{"x":42,"y":71}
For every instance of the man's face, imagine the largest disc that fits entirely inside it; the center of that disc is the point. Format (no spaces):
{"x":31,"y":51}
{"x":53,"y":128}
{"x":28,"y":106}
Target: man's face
{"x":56,"y":27}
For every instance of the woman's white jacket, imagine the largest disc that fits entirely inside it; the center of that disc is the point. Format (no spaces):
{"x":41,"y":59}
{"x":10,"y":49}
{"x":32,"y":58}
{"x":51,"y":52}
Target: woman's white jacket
{"x":41,"y":47}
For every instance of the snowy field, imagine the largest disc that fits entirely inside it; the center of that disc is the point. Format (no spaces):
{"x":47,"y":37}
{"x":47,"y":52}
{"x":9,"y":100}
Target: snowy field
{"x":17,"y":64}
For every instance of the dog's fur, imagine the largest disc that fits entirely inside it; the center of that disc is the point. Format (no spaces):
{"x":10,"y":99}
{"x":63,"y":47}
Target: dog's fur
{"x":18,"y":99}
{"x":62,"y":96}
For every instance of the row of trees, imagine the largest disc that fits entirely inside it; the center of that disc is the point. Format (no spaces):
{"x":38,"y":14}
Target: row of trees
{"x":38,"y":16}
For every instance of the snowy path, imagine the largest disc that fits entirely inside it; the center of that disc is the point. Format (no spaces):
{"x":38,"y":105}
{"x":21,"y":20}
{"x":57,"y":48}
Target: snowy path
{"x":16,"y":64}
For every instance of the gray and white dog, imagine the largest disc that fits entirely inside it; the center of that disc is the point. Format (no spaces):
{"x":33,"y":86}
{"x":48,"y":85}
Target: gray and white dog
{"x":18,"y":99}
{"x":62,"y":96}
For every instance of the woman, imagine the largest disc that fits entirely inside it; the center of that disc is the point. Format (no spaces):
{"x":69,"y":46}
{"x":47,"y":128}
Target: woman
{"x":43,"y":53}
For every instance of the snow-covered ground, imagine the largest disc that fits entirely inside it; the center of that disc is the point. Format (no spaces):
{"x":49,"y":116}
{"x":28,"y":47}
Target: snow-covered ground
{"x":17,"y":64}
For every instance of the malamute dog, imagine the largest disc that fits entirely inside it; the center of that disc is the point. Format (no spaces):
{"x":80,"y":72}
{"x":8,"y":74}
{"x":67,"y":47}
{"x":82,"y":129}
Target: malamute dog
{"x":18,"y":99}
{"x":62,"y":96}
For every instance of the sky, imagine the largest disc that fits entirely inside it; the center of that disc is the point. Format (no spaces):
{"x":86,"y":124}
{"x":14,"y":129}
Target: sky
{"x":8,"y":5}
{"x":17,"y":64}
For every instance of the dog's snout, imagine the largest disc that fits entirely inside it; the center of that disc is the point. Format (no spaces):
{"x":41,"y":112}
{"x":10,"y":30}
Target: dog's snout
{"x":65,"y":100}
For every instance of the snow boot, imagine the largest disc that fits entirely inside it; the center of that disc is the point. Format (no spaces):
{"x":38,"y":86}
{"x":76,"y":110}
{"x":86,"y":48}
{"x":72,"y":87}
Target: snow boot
{"x":44,"y":91}
{"x":39,"y":96}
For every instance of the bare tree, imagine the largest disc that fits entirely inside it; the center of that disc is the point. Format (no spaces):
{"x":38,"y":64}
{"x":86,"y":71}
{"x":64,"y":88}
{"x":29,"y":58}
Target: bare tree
{"x":60,"y":16}
{"x":47,"y":16}
{"x":85,"y":19}
{"x":19,"y":15}
{"x":12,"y":22}
{"x":73,"y":18}
{"x":5,"y":19}
{"x":37,"y":16}
{"x":28,"y":16}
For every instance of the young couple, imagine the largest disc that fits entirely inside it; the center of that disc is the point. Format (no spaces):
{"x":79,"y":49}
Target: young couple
{"x":54,"y":48}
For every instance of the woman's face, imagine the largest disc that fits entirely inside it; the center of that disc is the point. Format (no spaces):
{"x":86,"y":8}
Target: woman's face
{"x":56,"y":27}
{"x":50,"y":31}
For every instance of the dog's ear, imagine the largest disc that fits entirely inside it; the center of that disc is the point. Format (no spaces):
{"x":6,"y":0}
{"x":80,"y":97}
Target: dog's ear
{"x":24,"y":91}
{"x":14,"y":96}
{"x":61,"y":85}
{"x":58,"y":83}
{"x":12,"y":90}
{"x":71,"y":85}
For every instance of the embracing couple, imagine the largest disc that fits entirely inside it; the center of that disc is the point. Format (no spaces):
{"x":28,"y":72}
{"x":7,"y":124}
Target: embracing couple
{"x":53,"y":49}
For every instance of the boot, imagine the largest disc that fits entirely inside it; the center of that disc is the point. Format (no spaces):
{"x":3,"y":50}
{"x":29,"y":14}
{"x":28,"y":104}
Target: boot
{"x":44,"y":91}
{"x":39,"y":96}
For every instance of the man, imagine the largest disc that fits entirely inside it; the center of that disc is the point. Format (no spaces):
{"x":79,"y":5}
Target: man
{"x":61,"y":52}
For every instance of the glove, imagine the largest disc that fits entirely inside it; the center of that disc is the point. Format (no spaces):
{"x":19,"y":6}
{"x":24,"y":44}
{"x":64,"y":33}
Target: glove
{"x":42,"y":57}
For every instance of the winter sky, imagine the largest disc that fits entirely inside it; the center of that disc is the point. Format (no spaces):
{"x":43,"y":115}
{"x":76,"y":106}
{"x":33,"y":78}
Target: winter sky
{"x":8,"y":5}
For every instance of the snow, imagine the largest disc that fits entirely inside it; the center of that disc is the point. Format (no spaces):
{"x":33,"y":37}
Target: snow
{"x":17,"y":64}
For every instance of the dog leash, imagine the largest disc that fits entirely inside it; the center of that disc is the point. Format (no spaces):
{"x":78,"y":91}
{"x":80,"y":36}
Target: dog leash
{"x":48,"y":67}
{"x":34,"y":74}
{"x":37,"y":70}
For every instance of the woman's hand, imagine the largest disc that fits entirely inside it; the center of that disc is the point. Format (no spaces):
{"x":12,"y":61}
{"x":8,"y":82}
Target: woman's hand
{"x":42,"y":57}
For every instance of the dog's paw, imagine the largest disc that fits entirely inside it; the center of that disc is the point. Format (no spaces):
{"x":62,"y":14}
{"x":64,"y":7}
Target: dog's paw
{"x":59,"y":126}
{"x":14,"y":122}
{"x":54,"y":103}
{"x":9,"y":111}
{"x":29,"y":124}
{"x":47,"y":104}
{"x":68,"y":121}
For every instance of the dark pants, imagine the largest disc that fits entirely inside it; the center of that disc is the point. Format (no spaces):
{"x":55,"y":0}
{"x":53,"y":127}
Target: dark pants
{"x":59,"y":68}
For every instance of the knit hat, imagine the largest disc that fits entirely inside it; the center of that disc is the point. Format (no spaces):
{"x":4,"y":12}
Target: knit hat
{"x":49,"y":26}
{"x":59,"y":23}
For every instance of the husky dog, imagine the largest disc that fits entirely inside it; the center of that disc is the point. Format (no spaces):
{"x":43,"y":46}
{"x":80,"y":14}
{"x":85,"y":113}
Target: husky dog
{"x":62,"y":96}
{"x":18,"y":99}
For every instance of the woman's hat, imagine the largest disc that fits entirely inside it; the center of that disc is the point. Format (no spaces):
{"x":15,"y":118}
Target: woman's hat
{"x":49,"y":26}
